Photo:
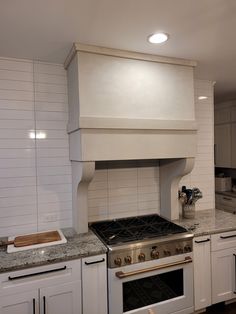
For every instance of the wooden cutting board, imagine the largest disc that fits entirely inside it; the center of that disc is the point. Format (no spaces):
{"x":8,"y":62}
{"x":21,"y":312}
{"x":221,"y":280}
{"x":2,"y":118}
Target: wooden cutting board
{"x":32,"y":239}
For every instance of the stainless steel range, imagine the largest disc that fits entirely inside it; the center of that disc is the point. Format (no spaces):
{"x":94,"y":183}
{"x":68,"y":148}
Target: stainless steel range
{"x":149,"y":265}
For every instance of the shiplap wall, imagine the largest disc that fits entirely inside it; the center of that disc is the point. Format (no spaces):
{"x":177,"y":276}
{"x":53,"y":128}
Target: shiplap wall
{"x":124,"y":192}
{"x":35,"y":174}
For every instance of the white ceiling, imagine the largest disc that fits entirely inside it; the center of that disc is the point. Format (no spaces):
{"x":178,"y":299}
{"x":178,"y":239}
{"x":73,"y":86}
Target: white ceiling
{"x":203,"y":30}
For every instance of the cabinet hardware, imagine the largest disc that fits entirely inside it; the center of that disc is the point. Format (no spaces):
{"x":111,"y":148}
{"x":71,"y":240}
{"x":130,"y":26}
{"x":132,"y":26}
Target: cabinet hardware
{"x":227,"y":198}
{"x":44,"y":305}
{"x":95,"y":262}
{"x":207,"y":240}
{"x":33,"y":305}
{"x":227,"y":237}
{"x":36,"y":274}
{"x":121,"y":274}
{"x":235,"y":272}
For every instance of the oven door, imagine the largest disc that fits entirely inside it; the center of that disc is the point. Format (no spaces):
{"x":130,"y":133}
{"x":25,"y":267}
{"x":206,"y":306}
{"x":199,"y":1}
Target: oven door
{"x":153,"y":287}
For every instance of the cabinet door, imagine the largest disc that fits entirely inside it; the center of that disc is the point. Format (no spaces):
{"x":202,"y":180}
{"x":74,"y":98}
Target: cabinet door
{"x":222,"y":115}
{"x":61,"y":299}
{"x":94,"y":278}
{"x":223,"y":145}
{"x":233,"y":145}
{"x":223,"y":275}
{"x":21,"y":303}
{"x":202,"y":272}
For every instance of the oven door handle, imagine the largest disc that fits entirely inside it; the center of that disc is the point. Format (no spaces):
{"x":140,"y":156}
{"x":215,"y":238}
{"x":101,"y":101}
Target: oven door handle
{"x":121,"y":274}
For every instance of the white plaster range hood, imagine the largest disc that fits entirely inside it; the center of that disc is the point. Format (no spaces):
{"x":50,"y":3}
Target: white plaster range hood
{"x":128,"y":106}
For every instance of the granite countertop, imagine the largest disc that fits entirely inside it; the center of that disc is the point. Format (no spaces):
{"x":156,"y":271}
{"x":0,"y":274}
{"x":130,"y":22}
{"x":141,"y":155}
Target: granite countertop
{"x":227,"y":193}
{"x":209,"y":222}
{"x":77,"y":246}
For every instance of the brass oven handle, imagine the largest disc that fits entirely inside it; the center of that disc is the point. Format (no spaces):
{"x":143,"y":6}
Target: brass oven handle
{"x":121,"y":274}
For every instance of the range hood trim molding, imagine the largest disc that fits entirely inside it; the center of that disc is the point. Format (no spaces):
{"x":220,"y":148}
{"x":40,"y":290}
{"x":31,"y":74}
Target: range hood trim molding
{"x":125,"y":54}
{"x":132,"y":124}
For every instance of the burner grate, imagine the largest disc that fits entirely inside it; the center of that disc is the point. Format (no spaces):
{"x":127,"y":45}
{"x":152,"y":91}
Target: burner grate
{"x":134,"y":229}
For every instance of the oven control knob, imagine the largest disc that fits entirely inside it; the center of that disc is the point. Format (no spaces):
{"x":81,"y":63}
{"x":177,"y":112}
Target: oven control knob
{"x":187,"y":248}
{"x":128,"y":260}
{"x":167,"y":253}
{"x":141,"y":257}
{"x":179,"y":250}
{"x":154,"y":254}
{"x":118,"y":261}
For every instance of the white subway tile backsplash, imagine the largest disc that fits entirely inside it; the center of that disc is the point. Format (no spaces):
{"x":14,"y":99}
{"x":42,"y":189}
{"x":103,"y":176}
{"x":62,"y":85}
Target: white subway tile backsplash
{"x":17,"y":191}
{"x":16,"y":104}
{"x":56,"y":179}
{"x":16,"y":95}
{"x":49,"y":68}
{"x":17,"y":201}
{"x":16,"y":143}
{"x":51,"y":125}
{"x":17,"y":181}
{"x":16,"y":114}
{"x":17,"y":162}
{"x":17,"y":172}
{"x":35,"y":174}
{"x":53,"y":106}
{"x":16,"y":65}
{"x":52,"y":152}
{"x":53,"y":161}
{"x":48,"y":78}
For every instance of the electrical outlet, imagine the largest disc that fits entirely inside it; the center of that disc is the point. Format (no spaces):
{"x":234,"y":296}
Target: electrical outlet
{"x":50,"y":217}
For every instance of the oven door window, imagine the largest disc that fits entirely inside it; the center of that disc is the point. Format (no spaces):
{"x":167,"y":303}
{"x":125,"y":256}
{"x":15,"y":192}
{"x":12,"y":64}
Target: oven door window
{"x":149,"y":290}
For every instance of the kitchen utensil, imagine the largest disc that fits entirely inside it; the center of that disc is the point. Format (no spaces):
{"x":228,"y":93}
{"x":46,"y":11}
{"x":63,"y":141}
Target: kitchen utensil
{"x":31,"y":239}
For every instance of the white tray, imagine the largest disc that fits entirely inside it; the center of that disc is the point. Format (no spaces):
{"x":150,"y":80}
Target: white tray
{"x":12,"y":249}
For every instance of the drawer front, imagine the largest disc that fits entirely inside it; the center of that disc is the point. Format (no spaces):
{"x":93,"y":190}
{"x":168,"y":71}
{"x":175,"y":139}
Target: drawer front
{"x":227,"y":200}
{"x":223,"y":240}
{"x":39,"y":277}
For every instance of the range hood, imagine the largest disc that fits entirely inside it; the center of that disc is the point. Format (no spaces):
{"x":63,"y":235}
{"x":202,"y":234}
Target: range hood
{"x":126,"y":106}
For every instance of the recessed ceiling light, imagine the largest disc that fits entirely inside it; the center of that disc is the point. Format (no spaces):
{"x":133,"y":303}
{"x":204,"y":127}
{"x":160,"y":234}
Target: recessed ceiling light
{"x":202,"y":97}
{"x":158,"y":38}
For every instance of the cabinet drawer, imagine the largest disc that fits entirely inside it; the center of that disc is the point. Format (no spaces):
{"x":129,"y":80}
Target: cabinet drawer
{"x":227,"y":200}
{"x":39,"y":277}
{"x":223,"y":240}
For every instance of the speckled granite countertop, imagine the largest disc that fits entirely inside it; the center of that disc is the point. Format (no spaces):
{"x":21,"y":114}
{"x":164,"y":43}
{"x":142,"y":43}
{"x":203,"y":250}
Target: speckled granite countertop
{"x":209,"y":222}
{"x":77,"y":246}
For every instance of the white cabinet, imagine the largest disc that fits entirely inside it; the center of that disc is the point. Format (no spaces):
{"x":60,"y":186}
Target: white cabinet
{"x":21,"y":303}
{"x":233,"y":146}
{"x":223,"y":145}
{"x":226,"y":202}
{"x":202,"y":272}
{"x":223,"y":266}
{"x":225,"y":135}
{"x":94,"y":277}
{"x":61,"y":299}
{"x":52,"y":289}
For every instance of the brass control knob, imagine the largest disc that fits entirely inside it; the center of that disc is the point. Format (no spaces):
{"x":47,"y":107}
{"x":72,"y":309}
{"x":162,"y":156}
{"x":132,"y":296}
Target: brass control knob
{"x":187,"y":248}
{"x":128,"y":260}
{"x":154,"y":253}
{"x":179,"y":250}
{"x":118,"y":261}
{"x":167,"y":253}
{"x":141,"y":257}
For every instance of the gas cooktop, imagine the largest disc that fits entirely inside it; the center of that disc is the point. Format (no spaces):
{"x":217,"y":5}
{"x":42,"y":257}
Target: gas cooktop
{"x":118,"y":231}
